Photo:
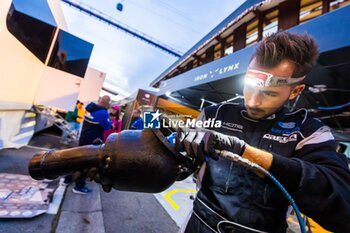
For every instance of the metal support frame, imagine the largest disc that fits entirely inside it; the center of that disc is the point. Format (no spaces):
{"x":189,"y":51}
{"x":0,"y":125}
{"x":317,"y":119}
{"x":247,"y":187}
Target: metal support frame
{"x":131,"y":31}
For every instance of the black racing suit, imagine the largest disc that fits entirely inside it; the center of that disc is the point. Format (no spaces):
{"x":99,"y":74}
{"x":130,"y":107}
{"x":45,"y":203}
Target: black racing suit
{"x":304,"y":161}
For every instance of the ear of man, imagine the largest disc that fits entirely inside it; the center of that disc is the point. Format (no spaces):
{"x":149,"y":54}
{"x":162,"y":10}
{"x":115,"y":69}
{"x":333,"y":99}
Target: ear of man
{"x":296,"y":91}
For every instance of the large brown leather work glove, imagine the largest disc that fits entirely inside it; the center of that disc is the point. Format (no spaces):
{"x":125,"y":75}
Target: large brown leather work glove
{"x":197,"y":143}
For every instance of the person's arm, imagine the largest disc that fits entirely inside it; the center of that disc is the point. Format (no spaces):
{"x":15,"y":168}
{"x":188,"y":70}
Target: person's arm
{"x":258,"y":156}
{"x":119,"y":126}
{"x":75,"y":114}
{"x":138,"y":124}
{"x":105,"y":121}
{"x":318,"y":180}
{"x":323,"y":192}
{"x":133,"y":125}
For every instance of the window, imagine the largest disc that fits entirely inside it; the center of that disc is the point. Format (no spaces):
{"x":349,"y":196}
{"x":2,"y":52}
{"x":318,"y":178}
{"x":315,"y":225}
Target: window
{"x":33,"y":25}
{"x":202,"y":58}
{"x":228,"y":48}
{"x":270,"y":23}
{"x":309,"y":9}
{"x":70,"y":54}
{"x":195,"y":63}
{"x":252,"y":32}
{"x":217,"y":51}
{"x":335,"y":4}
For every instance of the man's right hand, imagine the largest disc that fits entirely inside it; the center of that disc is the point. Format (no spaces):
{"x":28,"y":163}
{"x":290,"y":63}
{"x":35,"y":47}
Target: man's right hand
{"x":197,"y":143}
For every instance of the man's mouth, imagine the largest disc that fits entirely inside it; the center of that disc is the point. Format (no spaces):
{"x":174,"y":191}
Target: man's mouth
{"x":255,"y":111}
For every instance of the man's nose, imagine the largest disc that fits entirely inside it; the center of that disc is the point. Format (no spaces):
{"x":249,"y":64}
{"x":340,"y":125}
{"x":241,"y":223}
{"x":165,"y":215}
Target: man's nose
{"x":255,"y":99}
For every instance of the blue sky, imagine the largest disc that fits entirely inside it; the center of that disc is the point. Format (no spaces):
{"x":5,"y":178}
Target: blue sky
{"x":129,"y":62}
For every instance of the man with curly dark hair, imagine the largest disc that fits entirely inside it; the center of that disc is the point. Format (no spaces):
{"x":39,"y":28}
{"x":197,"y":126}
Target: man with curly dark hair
{"x":298,"y":150}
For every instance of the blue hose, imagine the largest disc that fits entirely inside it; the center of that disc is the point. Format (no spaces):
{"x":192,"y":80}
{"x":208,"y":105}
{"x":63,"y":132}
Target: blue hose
{"x":334,"y":107}
{"x":291,"y":201}
{"x":255,"y":167}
